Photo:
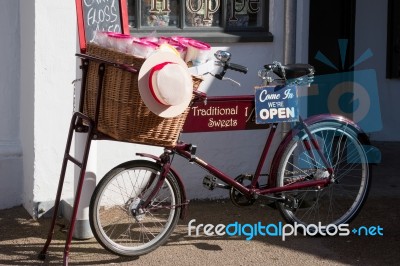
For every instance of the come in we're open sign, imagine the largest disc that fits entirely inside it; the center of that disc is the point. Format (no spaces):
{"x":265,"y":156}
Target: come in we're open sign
{"x":276,"y":104}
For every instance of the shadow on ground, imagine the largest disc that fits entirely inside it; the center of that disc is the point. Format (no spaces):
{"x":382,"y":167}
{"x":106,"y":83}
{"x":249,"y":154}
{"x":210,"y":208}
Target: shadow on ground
{"x":22,"y":238}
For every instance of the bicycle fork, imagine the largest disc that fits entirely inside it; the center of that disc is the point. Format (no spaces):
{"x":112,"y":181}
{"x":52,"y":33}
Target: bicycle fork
{"x":166,"y":165}
{"x":157,"y":183}
{"x":317,"y":147}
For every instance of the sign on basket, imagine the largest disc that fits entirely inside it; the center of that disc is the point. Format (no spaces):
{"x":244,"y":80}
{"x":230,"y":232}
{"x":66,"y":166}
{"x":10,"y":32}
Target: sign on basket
{"x":276,"y":104}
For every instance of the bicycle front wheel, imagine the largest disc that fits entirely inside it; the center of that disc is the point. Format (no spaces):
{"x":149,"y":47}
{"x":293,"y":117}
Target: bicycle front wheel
{"x":341,"y":200}
{"x":117,"y":219}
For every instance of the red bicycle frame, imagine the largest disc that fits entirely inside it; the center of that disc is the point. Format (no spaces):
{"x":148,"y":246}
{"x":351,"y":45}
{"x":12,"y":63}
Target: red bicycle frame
{"x":223,"y":113}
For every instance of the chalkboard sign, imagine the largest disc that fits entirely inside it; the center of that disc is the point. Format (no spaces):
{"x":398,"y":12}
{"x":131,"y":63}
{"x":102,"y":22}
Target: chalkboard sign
{"x":100,"y":15}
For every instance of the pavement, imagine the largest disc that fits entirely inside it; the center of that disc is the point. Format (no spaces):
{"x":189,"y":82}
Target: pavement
{"x":22,"y":238}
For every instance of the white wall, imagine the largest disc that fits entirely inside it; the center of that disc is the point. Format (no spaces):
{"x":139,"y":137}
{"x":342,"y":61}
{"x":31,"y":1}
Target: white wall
{"x":44,"y":53}
{"x":233,"y":152}
{"x":11,"y":182}
{"x":371,"y":33}
{"x":48,"y":66}
{"x":39,"y":51}
{"x":27,"y":92}
{"x":48,"y":45}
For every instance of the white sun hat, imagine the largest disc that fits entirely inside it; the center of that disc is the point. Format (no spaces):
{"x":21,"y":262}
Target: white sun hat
{"x":165,"y":84}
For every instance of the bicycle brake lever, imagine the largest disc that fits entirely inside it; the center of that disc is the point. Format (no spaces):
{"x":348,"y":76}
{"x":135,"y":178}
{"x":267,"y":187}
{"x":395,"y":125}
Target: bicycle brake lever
{"x":220,"y":77}
{"x":232,"y":80}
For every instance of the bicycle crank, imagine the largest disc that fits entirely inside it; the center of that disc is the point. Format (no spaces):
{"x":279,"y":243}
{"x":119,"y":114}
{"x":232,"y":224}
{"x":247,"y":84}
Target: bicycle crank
{"x":237,"y":197}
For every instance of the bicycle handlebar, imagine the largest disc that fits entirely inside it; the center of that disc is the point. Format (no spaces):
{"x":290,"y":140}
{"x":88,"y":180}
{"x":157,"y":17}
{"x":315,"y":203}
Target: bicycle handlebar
{"x":223,"y":58}
{"x":299,"y":74}
{"x":237,"y":67}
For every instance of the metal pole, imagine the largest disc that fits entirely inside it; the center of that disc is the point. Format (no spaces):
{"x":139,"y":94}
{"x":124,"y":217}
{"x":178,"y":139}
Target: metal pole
{"x":289,"y":52}
{"x":82,"y":226}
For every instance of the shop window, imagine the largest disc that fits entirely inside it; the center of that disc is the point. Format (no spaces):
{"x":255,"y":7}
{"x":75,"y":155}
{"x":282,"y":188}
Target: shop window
{"x":210,"y":20}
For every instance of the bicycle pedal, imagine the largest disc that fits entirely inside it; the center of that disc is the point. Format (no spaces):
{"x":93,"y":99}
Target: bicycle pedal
{"x":210,"y":182}
{"x":291,"y":203}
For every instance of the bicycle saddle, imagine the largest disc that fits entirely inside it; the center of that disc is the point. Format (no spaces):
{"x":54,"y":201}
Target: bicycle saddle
{"x":291,"y":71}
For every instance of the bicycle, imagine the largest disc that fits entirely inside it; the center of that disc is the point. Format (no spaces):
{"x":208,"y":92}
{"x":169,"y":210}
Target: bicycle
{"x":319,"y":174}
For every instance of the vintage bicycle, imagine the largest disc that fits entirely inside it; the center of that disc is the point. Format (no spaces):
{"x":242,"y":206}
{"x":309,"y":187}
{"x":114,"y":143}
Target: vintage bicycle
{"x":320,"y":173}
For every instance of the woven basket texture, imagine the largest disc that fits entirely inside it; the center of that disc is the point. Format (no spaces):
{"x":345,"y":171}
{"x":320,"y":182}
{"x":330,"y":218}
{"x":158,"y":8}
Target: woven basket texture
{"x":123,"y":115}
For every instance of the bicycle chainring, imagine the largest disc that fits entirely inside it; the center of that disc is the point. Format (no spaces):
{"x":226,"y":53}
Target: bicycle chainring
{"x":237,"y":197}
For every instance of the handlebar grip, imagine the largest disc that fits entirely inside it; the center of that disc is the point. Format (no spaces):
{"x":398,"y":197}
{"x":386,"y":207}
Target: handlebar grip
{"x":237,"y":67}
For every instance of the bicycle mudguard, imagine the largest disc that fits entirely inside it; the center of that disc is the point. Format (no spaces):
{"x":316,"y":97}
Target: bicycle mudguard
{"x":179,"y":179}
{"x":373,"y":154}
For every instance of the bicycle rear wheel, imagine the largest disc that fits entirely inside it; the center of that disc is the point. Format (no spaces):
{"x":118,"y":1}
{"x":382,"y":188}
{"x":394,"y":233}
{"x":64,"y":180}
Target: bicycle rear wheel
{"x":340,"y":201}
{"x":118,"y":222}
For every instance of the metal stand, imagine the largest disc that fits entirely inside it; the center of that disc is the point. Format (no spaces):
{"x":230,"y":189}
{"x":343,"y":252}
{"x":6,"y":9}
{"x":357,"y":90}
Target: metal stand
{"x":76,"y":118}
{"x":79,"y":123}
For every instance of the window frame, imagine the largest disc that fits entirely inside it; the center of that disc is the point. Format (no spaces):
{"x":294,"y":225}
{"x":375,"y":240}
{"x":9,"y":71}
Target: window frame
{"x":221,"y":34}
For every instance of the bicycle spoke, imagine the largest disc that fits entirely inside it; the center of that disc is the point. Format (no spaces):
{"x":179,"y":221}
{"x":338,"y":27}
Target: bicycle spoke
{"x":120,"y":224}
{"x":340,"y":200}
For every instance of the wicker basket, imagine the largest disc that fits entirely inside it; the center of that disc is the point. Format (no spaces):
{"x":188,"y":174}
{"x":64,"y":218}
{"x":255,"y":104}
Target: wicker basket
{"x":123,"y":115}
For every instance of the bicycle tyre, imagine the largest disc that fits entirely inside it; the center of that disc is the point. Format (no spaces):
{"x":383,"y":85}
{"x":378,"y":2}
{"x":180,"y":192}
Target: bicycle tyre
{"x":115,"y":224}
{"x":337,"y":203}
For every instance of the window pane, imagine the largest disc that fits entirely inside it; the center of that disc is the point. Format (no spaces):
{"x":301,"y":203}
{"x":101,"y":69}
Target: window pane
{"x":203,"y":13}
{"x":247,"y":19}
{"x":160,"y":13}
{"x":245,"y":13}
